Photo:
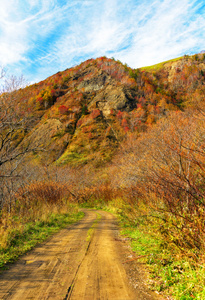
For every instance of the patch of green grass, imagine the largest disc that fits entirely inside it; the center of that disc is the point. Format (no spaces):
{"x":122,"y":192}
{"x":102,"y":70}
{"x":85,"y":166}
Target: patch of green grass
{"x":94,"y":204}
{"x":92,"y":228}
{"x":58,"y":134}
{"x":73,"y":158}
{"x":159,"y":65}
{"x":34,"y":233}
{"x":179,"y":277}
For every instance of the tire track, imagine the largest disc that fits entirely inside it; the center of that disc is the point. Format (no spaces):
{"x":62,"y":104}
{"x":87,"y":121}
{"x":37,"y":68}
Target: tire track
{"x":89,"y":240}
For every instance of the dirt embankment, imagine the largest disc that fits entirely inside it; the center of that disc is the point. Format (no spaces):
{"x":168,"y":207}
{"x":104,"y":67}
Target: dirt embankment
{"x":86,"y":261}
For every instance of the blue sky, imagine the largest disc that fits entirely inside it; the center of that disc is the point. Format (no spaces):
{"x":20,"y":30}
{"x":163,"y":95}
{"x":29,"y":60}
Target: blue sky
{"x":41,"y":37}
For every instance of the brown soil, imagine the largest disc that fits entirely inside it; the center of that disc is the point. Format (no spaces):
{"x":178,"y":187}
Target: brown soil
{"x":88,"y":260}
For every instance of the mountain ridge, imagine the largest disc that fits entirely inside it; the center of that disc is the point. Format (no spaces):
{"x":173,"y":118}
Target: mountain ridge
{"x":82,"y":114}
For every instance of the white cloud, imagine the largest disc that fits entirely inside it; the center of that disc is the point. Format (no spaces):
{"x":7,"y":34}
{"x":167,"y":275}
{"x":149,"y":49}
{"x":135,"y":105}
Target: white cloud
{"x":20,"y":26}
{"x":168,"y":33}
{"x":155,"y":31}
{"x":53,"y":36}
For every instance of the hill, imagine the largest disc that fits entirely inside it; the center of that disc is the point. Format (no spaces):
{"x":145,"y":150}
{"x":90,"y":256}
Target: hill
{"x":81,"y":115}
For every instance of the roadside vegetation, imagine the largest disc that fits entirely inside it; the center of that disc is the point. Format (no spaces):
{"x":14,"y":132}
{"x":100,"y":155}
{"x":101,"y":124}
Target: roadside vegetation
{"x":170,"y":272}
{"x":40,"y":210}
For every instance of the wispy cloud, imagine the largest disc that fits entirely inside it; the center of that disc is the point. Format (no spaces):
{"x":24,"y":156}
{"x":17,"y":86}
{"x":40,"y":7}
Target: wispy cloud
{"x":173,"y":28}
{"x":42,"y":37}
{"x":139,"y":35}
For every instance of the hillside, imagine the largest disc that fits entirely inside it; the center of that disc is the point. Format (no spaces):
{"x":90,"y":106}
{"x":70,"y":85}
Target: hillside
{"x":81,"y":115}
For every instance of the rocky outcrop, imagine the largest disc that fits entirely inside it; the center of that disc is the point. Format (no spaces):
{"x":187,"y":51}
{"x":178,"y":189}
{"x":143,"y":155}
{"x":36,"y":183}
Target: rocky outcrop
{"x":112,"y":97}
{"x":95,"y":83}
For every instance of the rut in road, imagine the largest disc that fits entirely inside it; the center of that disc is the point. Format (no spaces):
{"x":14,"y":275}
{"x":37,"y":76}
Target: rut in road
{"x":81,"y":262}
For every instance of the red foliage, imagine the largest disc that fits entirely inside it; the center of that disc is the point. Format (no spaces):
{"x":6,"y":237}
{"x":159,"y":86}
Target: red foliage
{"x":126,"y":129}
{"x":157,"y":109}
{"x":101,"y":58}
{"x":63,"y":109}
{"x":95,"y":113}
{"x":79,"y":123}
{"x":39,"y":99}
{"x":119,"y":114}
{"x":124,"y":123}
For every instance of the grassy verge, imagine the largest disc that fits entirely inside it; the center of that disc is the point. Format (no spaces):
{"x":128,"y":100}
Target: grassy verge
{"x":170,"y":273}
{"x":24,"y":238}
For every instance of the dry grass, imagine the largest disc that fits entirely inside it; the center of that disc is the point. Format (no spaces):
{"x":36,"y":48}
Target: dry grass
{"x":33,"y":203}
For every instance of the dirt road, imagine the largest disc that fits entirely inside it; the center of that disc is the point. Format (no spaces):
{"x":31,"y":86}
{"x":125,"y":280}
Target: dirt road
{"x":86,"y":261}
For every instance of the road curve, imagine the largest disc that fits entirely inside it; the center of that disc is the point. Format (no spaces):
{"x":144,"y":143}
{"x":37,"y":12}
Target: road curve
{"x":85,"y":261}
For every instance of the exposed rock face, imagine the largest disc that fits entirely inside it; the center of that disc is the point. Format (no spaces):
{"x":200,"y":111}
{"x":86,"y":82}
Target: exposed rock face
{"x":94,"y":84}
{"x":117,"y":98}
{"x":45,"y":132}
{"x":182,"y":65}
{"x":49,"y":135}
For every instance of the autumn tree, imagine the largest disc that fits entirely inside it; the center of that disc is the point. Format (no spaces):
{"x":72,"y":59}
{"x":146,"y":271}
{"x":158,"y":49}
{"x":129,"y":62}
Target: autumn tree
{"x":165,"y":167}
{"x":14,"y":124}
